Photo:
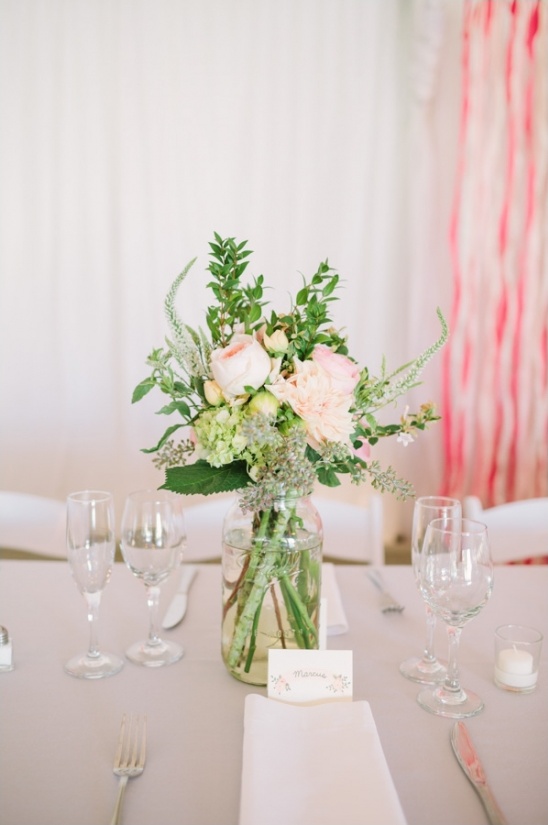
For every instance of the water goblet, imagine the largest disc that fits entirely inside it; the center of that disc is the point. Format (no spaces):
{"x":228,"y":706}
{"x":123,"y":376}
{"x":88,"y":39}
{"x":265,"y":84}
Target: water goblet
{"x":90,"y":552}
{"x":427,"y":669}
{"x":456,"y":579}
{"x":153,"y":537}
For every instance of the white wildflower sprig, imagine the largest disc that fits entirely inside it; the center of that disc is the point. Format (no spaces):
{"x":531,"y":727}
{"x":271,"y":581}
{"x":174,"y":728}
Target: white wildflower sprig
{"x":390,"y":390}
{"x":189,"y":350}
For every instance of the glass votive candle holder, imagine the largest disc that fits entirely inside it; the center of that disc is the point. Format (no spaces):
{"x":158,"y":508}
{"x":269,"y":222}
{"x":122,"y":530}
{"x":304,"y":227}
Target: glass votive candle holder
{"x":517,"y":656}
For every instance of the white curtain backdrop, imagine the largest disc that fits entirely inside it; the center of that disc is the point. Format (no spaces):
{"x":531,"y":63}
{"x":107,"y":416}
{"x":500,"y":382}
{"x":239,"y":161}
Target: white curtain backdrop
{"x":131,"y":130}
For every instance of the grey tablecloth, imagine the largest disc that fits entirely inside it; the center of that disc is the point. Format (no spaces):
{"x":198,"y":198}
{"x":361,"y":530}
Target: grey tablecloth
{"x":58,"y":734}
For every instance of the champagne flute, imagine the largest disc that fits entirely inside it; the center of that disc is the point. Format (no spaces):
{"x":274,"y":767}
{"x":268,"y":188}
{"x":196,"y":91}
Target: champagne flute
{"x":427,"y":669}
{"x":90,"y":552}
{"x":152,"y":542}
{"x":456,"y":580}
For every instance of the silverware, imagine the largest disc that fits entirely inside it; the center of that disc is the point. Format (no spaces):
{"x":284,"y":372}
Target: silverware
{"x":469,"y":761}
{"x":130,"y":757}
{"x":177,"y":608}
{"x":388,"y":603}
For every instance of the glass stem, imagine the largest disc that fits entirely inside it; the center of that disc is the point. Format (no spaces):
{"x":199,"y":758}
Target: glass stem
{"x":452,"y":679}
{"x":93,"y":601}
{"x":428,"y":655}
{"x":153,"y":601}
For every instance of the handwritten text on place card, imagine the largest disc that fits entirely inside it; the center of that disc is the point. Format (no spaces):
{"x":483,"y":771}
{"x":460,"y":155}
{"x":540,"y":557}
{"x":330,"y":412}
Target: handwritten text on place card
{"x":308,"y":676}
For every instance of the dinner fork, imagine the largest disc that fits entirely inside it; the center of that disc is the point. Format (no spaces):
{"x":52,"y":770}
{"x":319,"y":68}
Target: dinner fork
{"x":130,"y":756}
{"x":388,"y":602}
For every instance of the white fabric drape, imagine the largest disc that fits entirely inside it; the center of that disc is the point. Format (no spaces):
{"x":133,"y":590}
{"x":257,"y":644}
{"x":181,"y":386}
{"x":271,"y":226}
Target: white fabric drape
{"x":130,"y":131}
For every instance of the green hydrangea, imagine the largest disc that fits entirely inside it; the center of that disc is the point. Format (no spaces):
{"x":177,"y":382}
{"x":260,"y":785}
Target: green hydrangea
{"x":219,"y":435}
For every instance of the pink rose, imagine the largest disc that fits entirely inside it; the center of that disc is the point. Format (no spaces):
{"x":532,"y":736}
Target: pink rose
{"x":343,"y":372}
{"x":324,"y":409}
{"x":243,"y":363}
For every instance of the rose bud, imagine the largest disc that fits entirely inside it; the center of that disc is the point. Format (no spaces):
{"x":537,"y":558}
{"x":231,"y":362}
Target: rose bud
{"x":277,"y":342}
{"x":265,"y":403}
{"x":213,"y":393}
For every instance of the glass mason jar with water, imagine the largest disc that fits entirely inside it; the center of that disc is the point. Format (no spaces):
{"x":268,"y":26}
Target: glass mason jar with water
{"x":271,"y":568}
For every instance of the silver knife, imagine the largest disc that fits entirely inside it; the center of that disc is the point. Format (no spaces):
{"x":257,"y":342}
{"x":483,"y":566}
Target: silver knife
{"x":472,"y":767}
{"x":177,"y":607}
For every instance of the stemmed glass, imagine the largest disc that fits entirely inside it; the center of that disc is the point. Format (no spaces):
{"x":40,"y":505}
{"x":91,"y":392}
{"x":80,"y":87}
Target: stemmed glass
{"x":427,"y":669}
{"x":153,"y":537}
{"x":456,"y":580}
{"x":90,"y":552}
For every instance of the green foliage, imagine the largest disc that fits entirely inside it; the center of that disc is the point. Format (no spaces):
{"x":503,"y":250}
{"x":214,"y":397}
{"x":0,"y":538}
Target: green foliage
{"x":202,"y":478}
{"x":310,"y":323}
{"x":236,"y":304}
{"x":228,"y":429}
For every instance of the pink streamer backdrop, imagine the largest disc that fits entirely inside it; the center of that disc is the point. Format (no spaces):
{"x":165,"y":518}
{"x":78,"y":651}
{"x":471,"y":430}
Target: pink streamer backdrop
{"x":495,"y":386}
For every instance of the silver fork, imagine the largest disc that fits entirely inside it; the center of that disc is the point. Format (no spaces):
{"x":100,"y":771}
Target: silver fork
{"x":130,"y":756}
{"x":388,"y":602}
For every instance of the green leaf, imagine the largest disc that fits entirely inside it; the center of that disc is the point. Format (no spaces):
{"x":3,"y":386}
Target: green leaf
{"x":202,"y":478}
{"x":327,"y":477}
{"x":254,"y":314}
{"x":163,"y":439}
{"x":302,"y":296}
{"x":330,"y":287}
{"x":175,"y":406}
{"x":142,"y":389}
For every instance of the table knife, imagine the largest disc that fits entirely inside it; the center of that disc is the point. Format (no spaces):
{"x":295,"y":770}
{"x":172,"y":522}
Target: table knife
{"x":177,"y":607}
{"x":472,"y":767}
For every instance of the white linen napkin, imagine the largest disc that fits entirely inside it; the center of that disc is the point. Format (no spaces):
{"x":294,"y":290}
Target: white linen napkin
{"x":336,"y":618}
{"x":314,"y":765}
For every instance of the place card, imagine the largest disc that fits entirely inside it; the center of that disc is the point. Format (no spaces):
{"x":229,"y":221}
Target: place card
{"x":310,"y":676}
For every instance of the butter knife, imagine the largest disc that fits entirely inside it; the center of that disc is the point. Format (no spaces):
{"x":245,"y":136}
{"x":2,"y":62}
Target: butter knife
{"x":177,"y":608}
{"x":472,"y":767}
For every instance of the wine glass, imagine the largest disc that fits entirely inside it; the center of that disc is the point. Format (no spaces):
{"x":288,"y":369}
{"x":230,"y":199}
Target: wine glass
{"x":153,"y":537}
{"x":456,"y":580}
{"x":90,"y":553}
{"x":427,"y":669}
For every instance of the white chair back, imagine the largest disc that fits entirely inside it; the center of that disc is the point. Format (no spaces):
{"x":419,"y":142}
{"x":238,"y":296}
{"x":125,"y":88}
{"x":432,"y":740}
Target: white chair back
{"x":518,"y":530}
{"x":33,"y":524}
{"x":204,"y":525}
{"x":353,"y":533}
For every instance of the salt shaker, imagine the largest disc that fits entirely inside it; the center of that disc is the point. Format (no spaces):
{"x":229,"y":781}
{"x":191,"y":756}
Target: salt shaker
{"x":6,"y":652}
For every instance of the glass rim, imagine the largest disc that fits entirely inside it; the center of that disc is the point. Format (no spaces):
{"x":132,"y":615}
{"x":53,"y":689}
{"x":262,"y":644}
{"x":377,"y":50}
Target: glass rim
{"x":153,"y":495}
{"x":537,"y":634}
{"x":89,"y":496}
{"x":442,"y":501}
{"x":466,"y":526}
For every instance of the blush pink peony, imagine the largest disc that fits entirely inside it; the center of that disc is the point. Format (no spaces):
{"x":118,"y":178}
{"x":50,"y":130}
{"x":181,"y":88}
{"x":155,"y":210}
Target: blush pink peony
{"x":343,"y":372}
{"x":310,"y":393}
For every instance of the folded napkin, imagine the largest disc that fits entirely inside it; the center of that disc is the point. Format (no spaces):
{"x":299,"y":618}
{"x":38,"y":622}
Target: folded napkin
{"x":314,"y":765}
{"x":336,"y":618}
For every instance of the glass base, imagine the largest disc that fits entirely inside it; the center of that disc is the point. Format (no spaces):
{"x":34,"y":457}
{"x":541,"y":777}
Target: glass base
{"x":163,"y":653}
{"x":423,"y":671}
{"x":453,"y":705}
{"x":94,"y":667}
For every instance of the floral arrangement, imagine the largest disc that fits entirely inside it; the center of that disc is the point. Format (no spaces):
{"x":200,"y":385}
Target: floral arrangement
{"x":260,"y":385}
{"x":272,"y":402}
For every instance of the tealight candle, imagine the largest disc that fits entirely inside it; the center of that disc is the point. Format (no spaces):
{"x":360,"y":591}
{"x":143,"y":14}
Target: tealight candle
{"x":517,"y":652}
{"x":515,"y":668}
